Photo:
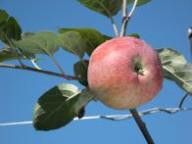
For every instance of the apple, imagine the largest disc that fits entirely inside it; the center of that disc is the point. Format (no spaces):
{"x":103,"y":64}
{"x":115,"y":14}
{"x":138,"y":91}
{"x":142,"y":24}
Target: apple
{"x":124,"y":73}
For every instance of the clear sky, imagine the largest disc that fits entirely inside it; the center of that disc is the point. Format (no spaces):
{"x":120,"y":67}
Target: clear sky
{"x":160,"y":23}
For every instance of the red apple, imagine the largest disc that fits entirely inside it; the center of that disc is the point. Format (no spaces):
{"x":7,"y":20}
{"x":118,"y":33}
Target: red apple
{"x":124,"y":72}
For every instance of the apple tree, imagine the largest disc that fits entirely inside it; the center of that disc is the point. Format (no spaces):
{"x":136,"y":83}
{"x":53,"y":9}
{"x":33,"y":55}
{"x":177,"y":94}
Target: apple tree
{"x":65,"y":102}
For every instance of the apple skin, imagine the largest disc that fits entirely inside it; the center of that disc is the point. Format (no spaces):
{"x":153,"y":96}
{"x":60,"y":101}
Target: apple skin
{"x":124,"y":73}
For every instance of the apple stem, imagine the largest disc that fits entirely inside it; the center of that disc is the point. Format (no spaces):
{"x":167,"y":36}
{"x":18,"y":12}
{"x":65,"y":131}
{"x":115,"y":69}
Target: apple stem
{"x":142,"y":126}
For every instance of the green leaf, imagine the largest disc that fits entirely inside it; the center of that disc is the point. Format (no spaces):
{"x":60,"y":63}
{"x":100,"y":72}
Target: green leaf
{"x":182,"y":75}
{"x":171,"y":58}
{"x":72,"y":41}
{"x":3,"y":16}
{"x":7,"y":54}
{"x":82,"y":40}
{"x":185,"y":77}
{"x":59,"y":106}
{"x":107,"y":8}
{"x":136,"y":35}
{"x":26,"y":34}
{"x":139,"y":3}
{"x":80,"y":70}
{"x":9,"y":28}
{"x":175,"y":68}
{"x":41,"y":42}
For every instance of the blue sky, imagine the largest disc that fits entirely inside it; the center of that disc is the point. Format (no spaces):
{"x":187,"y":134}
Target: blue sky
{"x":160,"y":23}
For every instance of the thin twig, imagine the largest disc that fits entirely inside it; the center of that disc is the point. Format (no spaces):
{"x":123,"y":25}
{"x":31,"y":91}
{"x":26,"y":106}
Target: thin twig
{"x":133,"y":9}
{"x":18,"y":52}
{"x":183,"y":99}
{"x":126,"y":16}
{"x":57,"y":64}
{"x":190,"y":39}
{"x":33,"y":61}
{"x":115,"y":117}
{"x":19,"y":57}
{"x":142,"y":126}
{"x":115,"y":29}
{"x":124,"y":9}
{"x":28,"y":68}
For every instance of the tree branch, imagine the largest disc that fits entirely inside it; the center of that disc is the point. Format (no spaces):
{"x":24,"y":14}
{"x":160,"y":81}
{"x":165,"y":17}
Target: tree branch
{"x":142,"y":126}
{"x":28,"y":68}
{"x":126,"y":16}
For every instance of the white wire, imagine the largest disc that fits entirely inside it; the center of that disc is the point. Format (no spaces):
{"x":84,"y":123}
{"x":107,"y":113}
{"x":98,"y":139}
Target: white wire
{"x":15,"y":123}
{"x":117,"y":117}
